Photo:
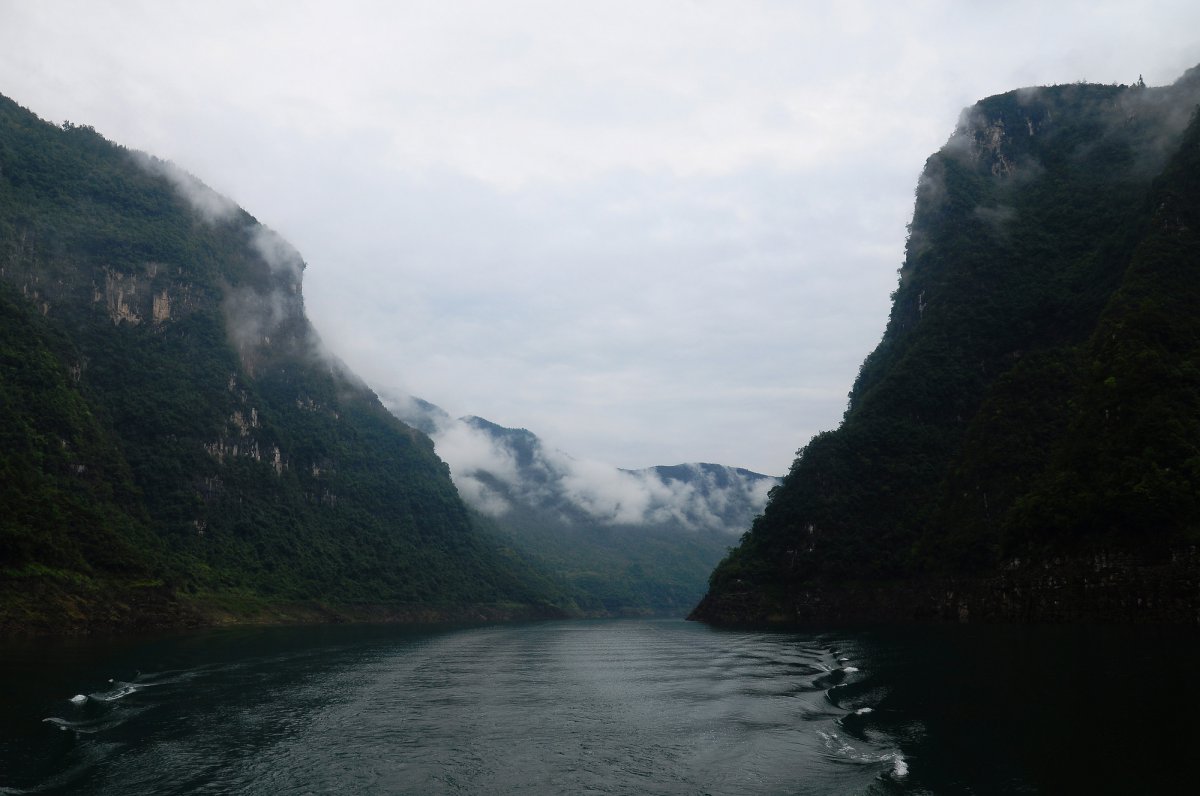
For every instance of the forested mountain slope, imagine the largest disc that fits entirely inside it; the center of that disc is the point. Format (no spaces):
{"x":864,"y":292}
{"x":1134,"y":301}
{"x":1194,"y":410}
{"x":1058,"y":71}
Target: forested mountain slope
{"x":622,"y":542}
{"x":1025,"y":440}
{"x":173,"y":437}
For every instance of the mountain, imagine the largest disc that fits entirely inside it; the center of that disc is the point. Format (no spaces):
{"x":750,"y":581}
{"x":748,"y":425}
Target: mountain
{"x":175,"y":443}
{"x":1024,"y":443}
{"x":621,"y":542}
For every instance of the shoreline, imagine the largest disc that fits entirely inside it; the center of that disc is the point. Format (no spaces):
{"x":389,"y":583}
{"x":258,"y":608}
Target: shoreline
{"x":34,"y":608}
{"x":1105,"y":587}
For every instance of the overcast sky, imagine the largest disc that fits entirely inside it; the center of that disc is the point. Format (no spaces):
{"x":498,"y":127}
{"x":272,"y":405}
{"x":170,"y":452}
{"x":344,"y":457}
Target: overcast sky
{"x":651,"y":232}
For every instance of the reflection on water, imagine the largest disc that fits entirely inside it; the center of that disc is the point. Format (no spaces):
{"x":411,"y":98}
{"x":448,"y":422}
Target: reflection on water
{"x":604,"y":707}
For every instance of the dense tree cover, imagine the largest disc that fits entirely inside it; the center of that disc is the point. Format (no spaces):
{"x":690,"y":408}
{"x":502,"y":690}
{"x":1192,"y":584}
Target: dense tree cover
{"x":60,"y":469}
{"x":654,"y":567}
{"x":169,"y":421}
{"x":1035,"y":393}
{"x":617,"y":569}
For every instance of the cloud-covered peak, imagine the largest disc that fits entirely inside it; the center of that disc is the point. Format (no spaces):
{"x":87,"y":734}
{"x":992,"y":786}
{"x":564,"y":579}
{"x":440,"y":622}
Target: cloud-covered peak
{"x":279,"y":255}
{"x":498,"y":468}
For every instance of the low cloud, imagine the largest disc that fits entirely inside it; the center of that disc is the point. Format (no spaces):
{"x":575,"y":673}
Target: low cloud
{"x":496,"y":467}
{"x":280,"y":256}
{"x":482,"y":497}
{"x":252,"y":317}
{"x":996,"y":217}
{"x":211,"y":206}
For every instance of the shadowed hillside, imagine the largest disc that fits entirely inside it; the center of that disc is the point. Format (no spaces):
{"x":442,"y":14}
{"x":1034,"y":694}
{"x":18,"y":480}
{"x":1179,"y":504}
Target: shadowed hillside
{"x":176,"y":444}
{"x":1025,"y":440}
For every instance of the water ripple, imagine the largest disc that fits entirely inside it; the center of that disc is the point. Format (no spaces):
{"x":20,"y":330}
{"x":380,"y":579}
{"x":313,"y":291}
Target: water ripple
{"x":589,"y":707}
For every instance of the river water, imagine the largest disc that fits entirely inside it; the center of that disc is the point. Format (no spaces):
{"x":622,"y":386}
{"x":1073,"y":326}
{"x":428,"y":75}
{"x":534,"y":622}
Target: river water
{"x":621,"y":706}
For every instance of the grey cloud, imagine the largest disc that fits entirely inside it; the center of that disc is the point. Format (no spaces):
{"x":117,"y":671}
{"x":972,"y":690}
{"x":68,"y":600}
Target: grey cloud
{"x":494,"y":467}
{"x":1028,"y":95}
{"x":251,"y":317}
{"x":211,"y":206}
{"x":281,"y":257}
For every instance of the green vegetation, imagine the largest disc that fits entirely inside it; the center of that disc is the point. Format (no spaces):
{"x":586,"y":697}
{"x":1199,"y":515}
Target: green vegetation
{"x":1037,"y":391}
{"x":655,"y":566}
{"x":172,"y":434}
{"x":617,"y":570}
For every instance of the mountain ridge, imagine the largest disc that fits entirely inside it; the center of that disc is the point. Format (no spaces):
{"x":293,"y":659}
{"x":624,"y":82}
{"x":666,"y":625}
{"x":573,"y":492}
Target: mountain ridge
{"x":623,"y":542}
{"x":178,"y":445}
{"x":986,"y":465}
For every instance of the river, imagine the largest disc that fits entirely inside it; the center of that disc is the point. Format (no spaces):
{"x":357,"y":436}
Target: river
{"x":621,"y":706}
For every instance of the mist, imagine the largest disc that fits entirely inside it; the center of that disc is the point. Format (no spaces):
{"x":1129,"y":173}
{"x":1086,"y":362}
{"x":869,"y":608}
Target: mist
{"x":496,"y":467}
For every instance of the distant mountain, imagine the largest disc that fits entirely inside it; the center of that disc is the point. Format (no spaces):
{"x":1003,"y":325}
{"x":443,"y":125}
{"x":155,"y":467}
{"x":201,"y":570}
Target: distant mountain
{"x":621,"y":541}
{"x":175,"y":443}
{"x":1024,"y":443}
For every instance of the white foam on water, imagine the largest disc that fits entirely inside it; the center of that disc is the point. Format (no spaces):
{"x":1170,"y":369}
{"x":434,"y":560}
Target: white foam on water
{"x":839,"y":746}
{"x":87,"y":726}
{"x":834,"y":743}
{"x":122,"y":690}
{"x":79,"y":699}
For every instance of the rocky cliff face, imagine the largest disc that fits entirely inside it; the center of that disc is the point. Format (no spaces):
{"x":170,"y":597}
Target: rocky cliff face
{"x":1032,"y":407}
{"x":174,"y":432}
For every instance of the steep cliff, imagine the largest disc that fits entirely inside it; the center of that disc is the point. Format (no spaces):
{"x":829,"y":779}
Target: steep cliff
{"x":1025,"y":440}
{"x":175,"y":437}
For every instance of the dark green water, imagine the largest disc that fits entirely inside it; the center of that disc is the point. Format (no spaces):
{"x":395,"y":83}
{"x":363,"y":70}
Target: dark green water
{"x":606,"y":707}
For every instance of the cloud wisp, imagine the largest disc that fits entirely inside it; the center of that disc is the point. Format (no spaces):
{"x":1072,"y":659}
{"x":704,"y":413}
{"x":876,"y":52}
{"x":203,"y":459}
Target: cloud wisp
{"x":253,"y":314}
{"x":211,"y":206}
{"x":496,"y":469}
